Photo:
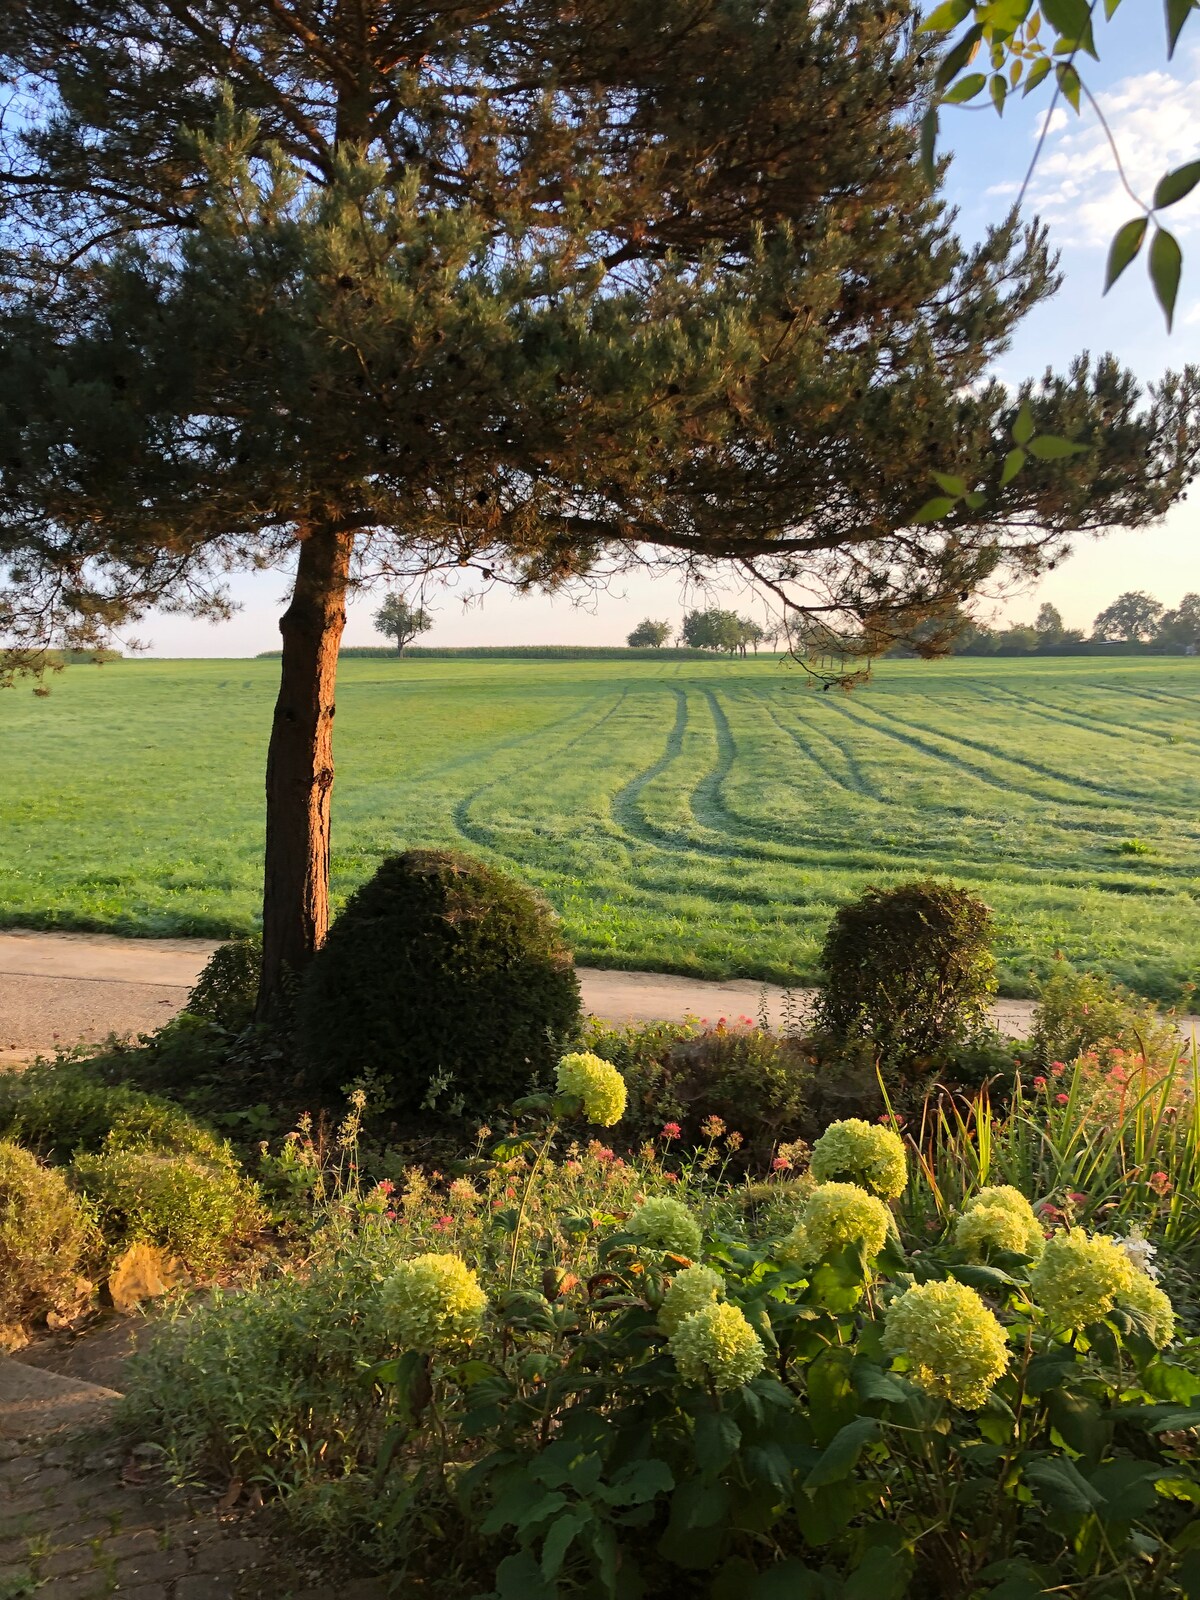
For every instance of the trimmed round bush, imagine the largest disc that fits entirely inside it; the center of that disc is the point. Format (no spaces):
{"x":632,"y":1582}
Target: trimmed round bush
{"x":44,"y":1232}
{"x":226,"y":992}
{"x":910,"y":969}
{"x":445,"y":982}
{"x":189,"y":1208}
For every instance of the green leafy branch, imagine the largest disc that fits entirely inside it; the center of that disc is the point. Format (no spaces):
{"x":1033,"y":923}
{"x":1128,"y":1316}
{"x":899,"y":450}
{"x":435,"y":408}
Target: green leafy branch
{"x":1025,"y":43}
{"x":1025,"y":443}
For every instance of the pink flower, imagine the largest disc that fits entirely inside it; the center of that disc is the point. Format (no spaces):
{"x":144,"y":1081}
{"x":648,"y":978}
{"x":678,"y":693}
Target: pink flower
{"x":1160,"y":1183}
{"x":1079,"y":1199}
{"x":1061,"y":1099}
{"x":671,"y":1177}
{"x":385,"y":1186}
{"x":781,"y":1164}
{"x":1039,"y":1083}
{"x":443,"y":1225}
{"x":604,"y":1154}
{"x":671,"y":1130}
{"x":573,"y":1166}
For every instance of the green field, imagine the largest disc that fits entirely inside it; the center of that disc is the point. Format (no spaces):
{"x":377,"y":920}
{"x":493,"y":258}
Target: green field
{"x":688,"y":816}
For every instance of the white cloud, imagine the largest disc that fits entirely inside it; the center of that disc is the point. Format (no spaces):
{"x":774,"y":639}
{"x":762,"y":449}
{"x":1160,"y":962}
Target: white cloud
{"x":1152,"y":117}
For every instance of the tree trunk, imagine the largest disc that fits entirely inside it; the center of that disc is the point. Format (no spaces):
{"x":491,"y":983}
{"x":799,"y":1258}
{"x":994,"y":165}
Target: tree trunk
{"x":300,"y":763}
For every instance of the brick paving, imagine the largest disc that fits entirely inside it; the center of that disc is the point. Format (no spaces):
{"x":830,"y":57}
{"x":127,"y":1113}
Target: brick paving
{"x":77,"y":1523}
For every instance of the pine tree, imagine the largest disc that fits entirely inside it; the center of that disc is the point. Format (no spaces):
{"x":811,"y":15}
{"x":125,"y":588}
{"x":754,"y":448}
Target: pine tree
{"x":517,"y":289}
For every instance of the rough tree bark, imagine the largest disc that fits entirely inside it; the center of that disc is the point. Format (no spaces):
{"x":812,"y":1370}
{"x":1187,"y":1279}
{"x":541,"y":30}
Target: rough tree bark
{"x":300,"y":762}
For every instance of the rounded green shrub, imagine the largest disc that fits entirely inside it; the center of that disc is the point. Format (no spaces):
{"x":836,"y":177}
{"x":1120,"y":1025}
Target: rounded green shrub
{"x":187,"y":1207}
{"x":1078,"y":1011}
{"x":910,"y":969}
{"x":445,"y":982}
{"x":44,"y":1232}
{"x":62,"y":1111}
{"x":226,"y":992}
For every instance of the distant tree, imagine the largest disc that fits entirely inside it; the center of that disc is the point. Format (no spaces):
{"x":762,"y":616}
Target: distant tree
{"x":1049,"y":624}
{"x":751,"y":634}
{"x":396,"y":619}
{"x":713,"y":630}
{"x":649,"y":635}
{"x":1018,"y":641}
{"x":1181,"y":628}
{"x":1133,"y":616}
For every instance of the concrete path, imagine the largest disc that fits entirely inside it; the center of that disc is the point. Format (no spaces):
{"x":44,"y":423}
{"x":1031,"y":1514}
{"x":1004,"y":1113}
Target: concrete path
{"x":60,"y":989}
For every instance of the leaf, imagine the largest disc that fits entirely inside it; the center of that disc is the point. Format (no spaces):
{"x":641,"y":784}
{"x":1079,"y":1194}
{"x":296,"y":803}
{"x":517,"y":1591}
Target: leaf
{"x":1127,"y":241}
{"x":965,"y":89}
{"x":1023,"y":426}
{"x":638,"y":1482}
{"x":933,"y":509}
{"x":1038,"y":72}
{"x":956,"y":60}
{"x":518,"y":1578}
{"x":840,"y":1457}
{"x":1068,"y":82}
{"x":1078,"y":1420}
{"x":1178,"y":11}
{"x":881,"y":1575}
{"x":946,"y":17}
{"x":999,"y":89}
{"x":790,"y":1580}
{"x":559,"y":1539}
{"x":1068,"y":18}
{"x":1166,"y":265}
{"x":929,"y":133}
{"x":1062,"y":1486}
{"x":1013,"y":462}
{"x":951,"y":484}
{"x":716,"y":1440}
{"x":1050,"y":447}
{"x":1175,"y":185}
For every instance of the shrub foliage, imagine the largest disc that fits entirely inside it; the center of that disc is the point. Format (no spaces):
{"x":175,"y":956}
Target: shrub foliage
{"x":909,"y":969}
{"x":43,"y":1234}
{"x":445,"y":981}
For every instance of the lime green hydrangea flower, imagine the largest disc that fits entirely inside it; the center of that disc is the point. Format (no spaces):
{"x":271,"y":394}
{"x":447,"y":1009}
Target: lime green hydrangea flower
{"x":432,"y":1301}
{"x":864,"y":1153}
{"x":691,"y":1290}
{"x":1079,"y":1278}
{"x":954,"y":1345}
{"x":999,"y":1218}
{"x":835,"y":1215}
{"x":717,"y":1345}
{"x":1152,"y":1305}
{"x":665,"y":1224}
{"x":597,"y":1083}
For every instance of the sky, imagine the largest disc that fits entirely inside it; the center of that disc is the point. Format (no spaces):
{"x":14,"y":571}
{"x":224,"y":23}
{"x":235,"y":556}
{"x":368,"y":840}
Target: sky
{"x":1151,"y":107}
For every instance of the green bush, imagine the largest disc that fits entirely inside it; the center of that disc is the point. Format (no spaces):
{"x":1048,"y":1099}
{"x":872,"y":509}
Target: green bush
{"x":910,"y":970}
{"x":63,"y":1110}
{"x":443,"y":982}
{"x":1077,"y":1012}
{"x":190,"y":1208}
{"x":44,"y":1233}
{"x":754,"y":1081}
{"x":227,"y":990}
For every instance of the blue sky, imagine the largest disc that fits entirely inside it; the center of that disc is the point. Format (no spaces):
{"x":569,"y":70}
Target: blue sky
{"x":1153,"y":108}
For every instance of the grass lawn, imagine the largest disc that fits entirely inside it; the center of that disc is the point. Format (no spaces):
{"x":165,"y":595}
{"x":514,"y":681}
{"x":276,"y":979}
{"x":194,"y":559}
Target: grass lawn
{"x":687,"y":816}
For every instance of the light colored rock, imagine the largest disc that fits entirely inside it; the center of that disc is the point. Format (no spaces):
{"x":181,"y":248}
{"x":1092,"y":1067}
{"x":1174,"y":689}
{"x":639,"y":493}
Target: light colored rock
{"x":143,"y":1273}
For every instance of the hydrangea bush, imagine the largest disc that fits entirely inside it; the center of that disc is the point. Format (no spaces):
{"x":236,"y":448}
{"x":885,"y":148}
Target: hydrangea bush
{"x":570,"y":1370}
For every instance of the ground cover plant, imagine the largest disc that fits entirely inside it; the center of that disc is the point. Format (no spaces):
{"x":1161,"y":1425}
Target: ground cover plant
{"x":702,"y":817}
{"x":561,"y":1373}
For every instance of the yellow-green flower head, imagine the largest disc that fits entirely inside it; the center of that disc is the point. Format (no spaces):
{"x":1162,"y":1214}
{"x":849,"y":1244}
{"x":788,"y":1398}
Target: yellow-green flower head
{"x":1003,"y":1195}
{"x":982,"y":1230}
{"x":665,"y":1224}
{"x":1151,"y":1304}
{"x":691,"y":1290}
{"x":597,"y":1083}
{"x":861,"y":1152}
{"x":835,"y":1215}
{"x":432,"y":1301}
{"x":954,"y":1346}
{"x":1078,"y":1279}
{"x":717,"y":1345}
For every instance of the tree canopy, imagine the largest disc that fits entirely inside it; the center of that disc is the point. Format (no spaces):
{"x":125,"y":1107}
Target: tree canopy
{"x":398,"y":619}
{"x":368,"y":290}
{"x":649,"y":634}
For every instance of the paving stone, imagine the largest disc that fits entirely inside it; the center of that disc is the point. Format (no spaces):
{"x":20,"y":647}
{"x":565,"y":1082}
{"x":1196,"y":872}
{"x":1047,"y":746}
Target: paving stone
{"x":143,"y":1591}
{"x":91,"y":1586}
{"x":132,"y":1543}
{"x":152,"y":1566}
{"x":230,"y":1555}
{"x":10,"y":1575}
{"x":207,"y":1586}
{"x":72,"y":1559}
{"x":324,"y":1592}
